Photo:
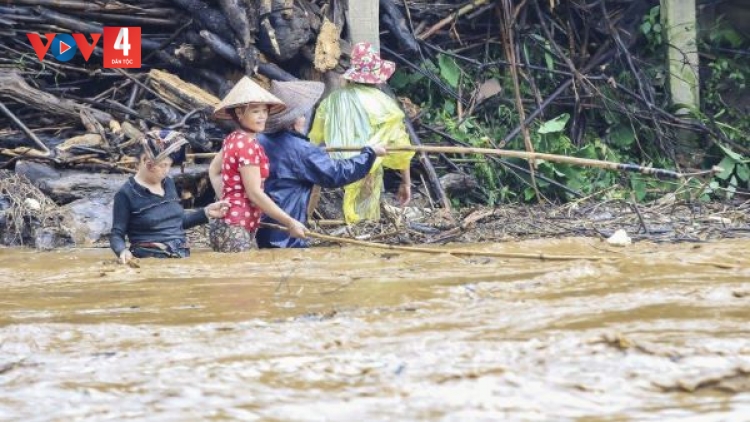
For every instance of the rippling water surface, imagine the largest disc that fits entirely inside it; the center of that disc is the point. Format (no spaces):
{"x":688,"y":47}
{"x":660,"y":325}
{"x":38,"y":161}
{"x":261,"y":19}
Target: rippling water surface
{"x":658,"y":332}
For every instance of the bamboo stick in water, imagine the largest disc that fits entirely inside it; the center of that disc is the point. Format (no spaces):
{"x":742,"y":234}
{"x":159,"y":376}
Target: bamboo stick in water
{"x":457,"y":252}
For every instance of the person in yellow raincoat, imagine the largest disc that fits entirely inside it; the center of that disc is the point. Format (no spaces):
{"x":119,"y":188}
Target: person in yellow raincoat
{"x":359,"y":114}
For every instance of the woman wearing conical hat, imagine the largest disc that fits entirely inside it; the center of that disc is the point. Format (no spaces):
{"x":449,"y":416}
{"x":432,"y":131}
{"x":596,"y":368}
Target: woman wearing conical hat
{"x":297,"y":165}
{"x":239,"y":170}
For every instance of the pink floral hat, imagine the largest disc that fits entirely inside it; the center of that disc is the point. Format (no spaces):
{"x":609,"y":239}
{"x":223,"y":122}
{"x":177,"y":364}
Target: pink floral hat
{"x":367,"y":67}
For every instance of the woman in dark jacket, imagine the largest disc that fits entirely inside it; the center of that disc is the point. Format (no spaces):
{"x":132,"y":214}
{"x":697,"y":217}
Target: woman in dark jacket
{"x":147,"y":208}
{"x":296,"y":165}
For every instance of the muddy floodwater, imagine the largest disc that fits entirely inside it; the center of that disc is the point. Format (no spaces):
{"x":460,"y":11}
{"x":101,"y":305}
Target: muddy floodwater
{"x":658,"y":332}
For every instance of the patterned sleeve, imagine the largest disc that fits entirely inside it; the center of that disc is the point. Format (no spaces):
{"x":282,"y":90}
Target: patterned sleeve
{"x":248,"y":152}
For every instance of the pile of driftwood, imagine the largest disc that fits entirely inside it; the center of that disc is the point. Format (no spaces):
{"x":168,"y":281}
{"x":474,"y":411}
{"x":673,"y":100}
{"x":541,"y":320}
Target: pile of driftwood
{"x":60,"y":121}
{"x":79,"y":114}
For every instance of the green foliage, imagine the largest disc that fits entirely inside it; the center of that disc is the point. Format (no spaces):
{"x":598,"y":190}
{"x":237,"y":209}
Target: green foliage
{"x":724,"y":88}
{"x":616,"y":130}
{"x":724,"y":34}
{"x":550,"y":138}
{"x":449,"y":70}
{"x":735,"y":174}
{"x":639,"y":187}
{"x":728,"y":79}
{"x":555,"y":125}
{"x":652,"y":28}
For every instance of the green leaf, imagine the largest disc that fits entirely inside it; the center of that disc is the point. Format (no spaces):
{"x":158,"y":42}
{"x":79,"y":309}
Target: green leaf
{"x":555,"y":125}
{"x":547,"y":56}
{"x":528,"y":193}
{"x":743,"y":172}
{"x":732,"y":188}
{"x":549,"y":61}
{"x":589,"y":151}
{"x":654,"y":12}
{"x":727,"y":165}
{"x":449,"y":70}
{"x":646,"y":27}
{"x":449,"y":107}
{"x":429,"y":66}
{"x":730,"y":153}
{"x":639,"y":187}
{"x":622,"y":136}
{"x":399,"y":80}
{"x":730,"y":35}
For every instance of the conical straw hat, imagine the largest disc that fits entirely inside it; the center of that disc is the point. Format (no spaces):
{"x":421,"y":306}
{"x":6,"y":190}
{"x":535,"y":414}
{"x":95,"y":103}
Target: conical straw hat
{"x":299,"y":96}
{"x":247,"y":92}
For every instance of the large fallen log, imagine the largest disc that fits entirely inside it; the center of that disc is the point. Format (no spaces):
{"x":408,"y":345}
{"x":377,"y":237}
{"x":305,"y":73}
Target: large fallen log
{"x":184,"y":94}
{"x":13,"y":86}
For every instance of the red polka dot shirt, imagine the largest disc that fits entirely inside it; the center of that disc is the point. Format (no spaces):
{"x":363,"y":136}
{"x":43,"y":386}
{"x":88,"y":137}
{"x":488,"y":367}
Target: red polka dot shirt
{"x":241,"y":150}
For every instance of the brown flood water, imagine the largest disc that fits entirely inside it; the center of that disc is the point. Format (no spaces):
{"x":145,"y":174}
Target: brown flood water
{"x":345,"y":334}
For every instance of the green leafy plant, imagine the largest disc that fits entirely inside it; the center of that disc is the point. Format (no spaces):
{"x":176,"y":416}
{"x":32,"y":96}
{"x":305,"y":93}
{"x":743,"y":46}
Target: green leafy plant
{"x":652,"y":28}
{"x":449,"y":70}
{"x":735,"y":172}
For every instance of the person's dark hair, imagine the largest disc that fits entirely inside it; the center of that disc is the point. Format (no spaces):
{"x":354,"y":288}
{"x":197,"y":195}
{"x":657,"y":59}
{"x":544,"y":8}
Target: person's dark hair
{"x":178,"y":157}
{"x":233,"y":114}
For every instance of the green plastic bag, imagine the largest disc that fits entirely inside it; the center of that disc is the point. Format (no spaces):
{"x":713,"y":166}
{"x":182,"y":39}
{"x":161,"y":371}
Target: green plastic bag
{"x":356,"y":116}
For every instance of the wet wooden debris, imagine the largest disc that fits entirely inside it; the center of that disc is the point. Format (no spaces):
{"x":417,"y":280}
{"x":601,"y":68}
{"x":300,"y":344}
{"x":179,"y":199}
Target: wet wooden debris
{"x":77,"y":114}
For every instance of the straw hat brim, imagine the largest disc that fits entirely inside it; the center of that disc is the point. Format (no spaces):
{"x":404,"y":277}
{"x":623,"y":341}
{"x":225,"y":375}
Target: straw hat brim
{"x":247,"y":92}
{"x":299,"y":96}
{"x":223,"y":112}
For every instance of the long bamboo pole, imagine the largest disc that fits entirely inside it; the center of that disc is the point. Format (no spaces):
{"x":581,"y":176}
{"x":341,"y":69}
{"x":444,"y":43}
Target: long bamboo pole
{"x":457,"y":252}
{"x":585,"y":162}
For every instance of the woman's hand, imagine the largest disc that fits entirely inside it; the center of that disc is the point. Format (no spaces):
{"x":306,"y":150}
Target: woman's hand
{"x":379,"y":150}
{"x":125,"y":256}
{"x":296,"y":229}
{"x":217,"y":209}
{"x":404,"y":193}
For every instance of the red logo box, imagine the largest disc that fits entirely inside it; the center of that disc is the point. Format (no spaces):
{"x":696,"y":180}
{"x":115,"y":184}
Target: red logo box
{"x":122,"y":47}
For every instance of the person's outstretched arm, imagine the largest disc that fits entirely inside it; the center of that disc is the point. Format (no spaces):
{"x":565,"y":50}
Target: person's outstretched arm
{"x":320,"y":169}
{"x":200,"y":216}
{"x":251,"y":180}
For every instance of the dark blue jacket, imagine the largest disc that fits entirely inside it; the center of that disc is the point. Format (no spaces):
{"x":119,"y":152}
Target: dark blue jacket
{"x":296,"y":166}
{"x":143,"y":216}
